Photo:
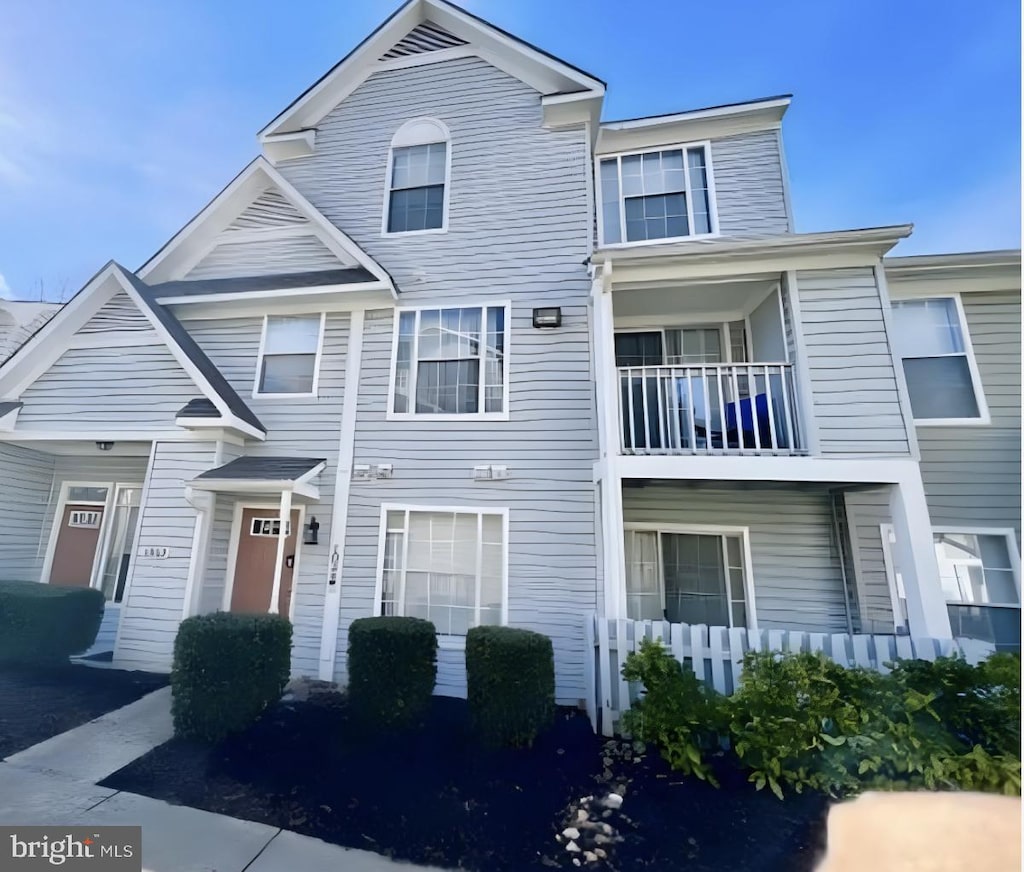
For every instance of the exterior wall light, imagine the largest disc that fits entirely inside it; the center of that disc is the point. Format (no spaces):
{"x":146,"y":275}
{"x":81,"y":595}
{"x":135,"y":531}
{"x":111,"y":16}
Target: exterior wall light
{"x":104,"y":446}
{"x":549,"y":316}
{"x":311,"y":530}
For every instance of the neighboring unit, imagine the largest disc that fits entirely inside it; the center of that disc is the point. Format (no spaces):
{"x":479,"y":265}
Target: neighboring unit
{"x":452,"y":347}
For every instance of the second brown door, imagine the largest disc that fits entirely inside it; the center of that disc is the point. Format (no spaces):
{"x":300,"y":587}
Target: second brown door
{"x":254,"y":564}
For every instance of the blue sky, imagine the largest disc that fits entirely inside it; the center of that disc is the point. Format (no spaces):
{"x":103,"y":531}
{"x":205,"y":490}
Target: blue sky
{"x":120,"y":119}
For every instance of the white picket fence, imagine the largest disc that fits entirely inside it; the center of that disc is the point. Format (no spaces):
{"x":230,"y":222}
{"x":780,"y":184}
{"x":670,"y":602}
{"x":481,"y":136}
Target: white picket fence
{"x":716,"y":655}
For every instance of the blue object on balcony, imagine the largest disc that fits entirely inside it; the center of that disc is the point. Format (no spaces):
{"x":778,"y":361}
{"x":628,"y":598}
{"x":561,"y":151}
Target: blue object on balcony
{"x":748,"y":410}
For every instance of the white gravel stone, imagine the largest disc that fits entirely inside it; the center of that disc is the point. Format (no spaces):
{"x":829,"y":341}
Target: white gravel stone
{"x":572,"y":848}
{"x":613,"y":800}
{"x":571,"y":833}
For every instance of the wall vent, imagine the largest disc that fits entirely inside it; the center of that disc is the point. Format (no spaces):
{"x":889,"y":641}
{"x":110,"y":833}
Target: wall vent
{"x":423,"y":38}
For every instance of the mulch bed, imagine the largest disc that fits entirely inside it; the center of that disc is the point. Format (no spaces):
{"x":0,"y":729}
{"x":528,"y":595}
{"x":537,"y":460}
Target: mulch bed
{"x":37,"y":702}
{"x":434,"y":796}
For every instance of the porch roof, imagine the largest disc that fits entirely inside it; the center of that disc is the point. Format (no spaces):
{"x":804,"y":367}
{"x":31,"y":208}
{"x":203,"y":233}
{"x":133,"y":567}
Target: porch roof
{"x":273,"y":474}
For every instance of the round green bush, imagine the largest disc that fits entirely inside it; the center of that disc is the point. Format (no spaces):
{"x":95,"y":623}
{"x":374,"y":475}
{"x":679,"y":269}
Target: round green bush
{"x":392,"y":669}
{"x":510,"y":676}
{"x":46,"y":623}
{"x":227,"y":669}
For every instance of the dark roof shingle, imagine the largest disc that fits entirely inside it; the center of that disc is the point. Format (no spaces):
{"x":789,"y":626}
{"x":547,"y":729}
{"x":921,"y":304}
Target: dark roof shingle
{"x":263,"y":468}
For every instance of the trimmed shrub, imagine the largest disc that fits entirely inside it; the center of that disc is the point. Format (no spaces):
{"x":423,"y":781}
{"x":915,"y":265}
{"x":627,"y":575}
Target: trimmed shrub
{"x":392,"y":669}
{"x":677,"y":712}
{"x":227,"y":669}
{"x":45,"y":623}
{"x":510,"y":675}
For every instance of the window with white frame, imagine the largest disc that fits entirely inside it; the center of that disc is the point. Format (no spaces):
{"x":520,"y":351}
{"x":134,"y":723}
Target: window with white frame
{"x":445,"y":566}
{"x":451,"y":361}
{"x":289,"y":354}
{"x":656,"y":195}
{"x":980,"y":582}
{"x":941,"y":377}
{"x":689,"y":578}
{"x":417,"y":181}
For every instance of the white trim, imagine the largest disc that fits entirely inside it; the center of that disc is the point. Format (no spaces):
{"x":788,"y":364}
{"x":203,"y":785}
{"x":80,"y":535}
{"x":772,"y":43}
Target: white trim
{"x":540,"y":71}
{"x":787,"y":197}
{"x":114,"y":339}
{"x":720,"y":530}
{"x":342,"y":490}
{"x":259,"y":486}
{"x":107,"y":533}
{"x":444,"y":640}
{"x":402,"y":139}
{"x":897,"y":362}
{"x":275,"y":296}
{"x":860,"y":470}
{"x":422,"y":59}
{"x":984,"y":419}
{"x":83,"y":436}
{"x":235,"y":538}
{"x":314,"y":390}
{"x":712,"y":198}
{"x":190,"y":244}
{"x":807,"y":422}
{"x":480,"y":415}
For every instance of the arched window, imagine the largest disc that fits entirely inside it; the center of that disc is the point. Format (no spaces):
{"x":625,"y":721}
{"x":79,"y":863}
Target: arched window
{"x":419,"y":167}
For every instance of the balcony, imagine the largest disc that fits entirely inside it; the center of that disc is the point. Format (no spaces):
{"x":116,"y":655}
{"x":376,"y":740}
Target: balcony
{"x":712,"y":408}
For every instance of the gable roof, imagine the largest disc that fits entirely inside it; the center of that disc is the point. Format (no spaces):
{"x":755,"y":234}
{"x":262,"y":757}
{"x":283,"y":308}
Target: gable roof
{"x":542,"y":71}
{"x":253,"y":284}
{"x":39,"y":353}
{"x":218,"y":223}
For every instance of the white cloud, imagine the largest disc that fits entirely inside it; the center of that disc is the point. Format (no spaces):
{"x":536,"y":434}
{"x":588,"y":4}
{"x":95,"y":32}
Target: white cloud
{"x":5,"y":289}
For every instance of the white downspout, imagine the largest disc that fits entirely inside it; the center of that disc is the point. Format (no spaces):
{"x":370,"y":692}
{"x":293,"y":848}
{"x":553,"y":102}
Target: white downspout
{"x":285,"y":514}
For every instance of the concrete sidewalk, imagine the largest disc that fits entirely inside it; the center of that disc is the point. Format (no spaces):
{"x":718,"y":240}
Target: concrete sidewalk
{"x":54,"y":783}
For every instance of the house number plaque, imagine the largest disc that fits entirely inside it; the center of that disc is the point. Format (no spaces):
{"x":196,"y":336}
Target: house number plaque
{"x":155,"y":552}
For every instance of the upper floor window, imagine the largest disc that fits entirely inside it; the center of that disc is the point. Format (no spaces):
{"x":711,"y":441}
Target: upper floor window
{"x":940,"y":371}
{"x":656,"y":195}
{"x":289,"y":354}
{"x":418,"y":174}
{"x":452,"y":361}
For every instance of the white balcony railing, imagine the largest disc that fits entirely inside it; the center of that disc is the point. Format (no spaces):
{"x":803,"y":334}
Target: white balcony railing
{"x":712,"y":408}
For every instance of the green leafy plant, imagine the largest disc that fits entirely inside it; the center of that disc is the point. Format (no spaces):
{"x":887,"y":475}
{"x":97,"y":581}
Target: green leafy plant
{"x":676,"y":712}
{"x":392,"y":669}
{"x":510,"y":676}
{"x":45,"y":623}
{"x":227,"y":669}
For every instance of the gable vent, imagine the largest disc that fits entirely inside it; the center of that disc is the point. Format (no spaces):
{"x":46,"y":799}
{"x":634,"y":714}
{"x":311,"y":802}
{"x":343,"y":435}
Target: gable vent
{"x":423,"y":38}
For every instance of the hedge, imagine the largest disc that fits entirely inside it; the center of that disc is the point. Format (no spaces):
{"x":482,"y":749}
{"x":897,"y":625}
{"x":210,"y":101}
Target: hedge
{"x":510,"y":676}
{"x":227,"y":669}
{"x":45,"y":623}
{"x":392,"y":668}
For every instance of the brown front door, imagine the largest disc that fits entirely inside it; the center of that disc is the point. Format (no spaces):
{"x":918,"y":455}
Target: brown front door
{"x":75,"y":549}
{"x":254,"y":564}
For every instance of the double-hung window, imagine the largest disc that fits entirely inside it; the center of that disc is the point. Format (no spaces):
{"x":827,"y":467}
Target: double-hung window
{"x":656,"y":195}
{"x":981,"y":586}
{"x":445,"y":566}
{"x":687,"y":577}
{"x":289,"y":355}
{"x":941,"y":376}
{"x":452,"y":361}
{"x":418,"y":171}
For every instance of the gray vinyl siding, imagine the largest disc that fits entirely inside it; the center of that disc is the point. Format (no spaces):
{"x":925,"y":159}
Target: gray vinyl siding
{"x":972,"y":474}
{"x":155,"y":596}
{"x":27,"y":476}
{"x":267,"y":211}
{"x":798,"y":583}
{"x":299,"y":427}
{"x":517,"y":231}
{"x":853,"y":381}
{"x":749,"y":186}
{"x":135,"y":388}
{"x":265,"y":257}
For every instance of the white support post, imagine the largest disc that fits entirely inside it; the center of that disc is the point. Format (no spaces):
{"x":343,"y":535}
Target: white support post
{"x":606,"y":378}
{"x":801,"y":367}
{"x":204,"y":504}
{"x":342,"y":490}
{"x":285,"y":515}
{"x":915,"y":555}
